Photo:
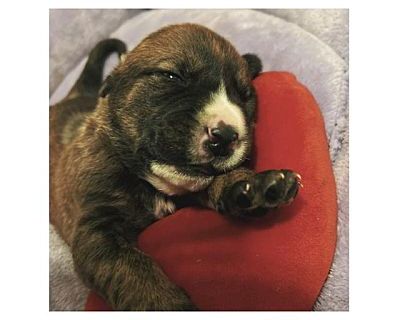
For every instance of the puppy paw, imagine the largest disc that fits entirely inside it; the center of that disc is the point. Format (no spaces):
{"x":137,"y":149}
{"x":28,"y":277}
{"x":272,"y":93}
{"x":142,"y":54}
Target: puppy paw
{"x":175,"y":300}
{"x":160,"y":294}
{"x":266,"y":190}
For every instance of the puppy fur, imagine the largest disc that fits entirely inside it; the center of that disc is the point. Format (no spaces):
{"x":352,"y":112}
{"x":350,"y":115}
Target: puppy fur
{"x":130,"y":151}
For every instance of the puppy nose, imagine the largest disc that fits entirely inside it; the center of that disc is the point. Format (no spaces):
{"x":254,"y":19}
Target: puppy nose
{"x":220,"y":140}
{"x":224,"y":134}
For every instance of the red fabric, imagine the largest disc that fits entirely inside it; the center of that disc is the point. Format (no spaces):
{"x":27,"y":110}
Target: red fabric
{"x":96,"y":303}
{"x":281,"y":261}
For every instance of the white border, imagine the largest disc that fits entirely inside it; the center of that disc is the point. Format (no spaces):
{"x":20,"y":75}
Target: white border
{"x":175,"y":4}
{"x":374,"y":155}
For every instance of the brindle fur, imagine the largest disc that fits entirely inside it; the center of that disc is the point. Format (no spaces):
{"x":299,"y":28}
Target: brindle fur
{"x":100,"y":150}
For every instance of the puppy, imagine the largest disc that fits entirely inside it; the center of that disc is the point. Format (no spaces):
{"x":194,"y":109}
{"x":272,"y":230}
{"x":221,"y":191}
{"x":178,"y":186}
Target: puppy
{"x":171,"y":126}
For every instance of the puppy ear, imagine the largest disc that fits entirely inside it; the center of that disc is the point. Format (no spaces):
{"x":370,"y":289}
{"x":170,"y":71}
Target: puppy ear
{"x":109,"y":81}
{"x":254,"y":64}
{"x":105,"y":87}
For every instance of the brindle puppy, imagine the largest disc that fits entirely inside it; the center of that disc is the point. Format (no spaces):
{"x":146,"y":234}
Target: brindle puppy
{"x":172,"y":123}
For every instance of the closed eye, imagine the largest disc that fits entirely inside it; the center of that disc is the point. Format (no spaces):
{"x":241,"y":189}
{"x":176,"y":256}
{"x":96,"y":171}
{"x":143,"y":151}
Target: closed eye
{"x":245,"y":92}
{"x":166,"y":74}
{"x":171,"y":76}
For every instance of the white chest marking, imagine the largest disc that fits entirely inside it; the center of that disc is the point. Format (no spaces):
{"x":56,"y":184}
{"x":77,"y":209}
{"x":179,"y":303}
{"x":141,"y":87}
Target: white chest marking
{"x":163,"y":206}
{"x":168,"y":180}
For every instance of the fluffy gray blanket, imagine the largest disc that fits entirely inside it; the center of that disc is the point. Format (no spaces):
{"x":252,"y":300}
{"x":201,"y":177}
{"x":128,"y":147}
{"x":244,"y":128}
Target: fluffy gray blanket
{"x":312,"y":44}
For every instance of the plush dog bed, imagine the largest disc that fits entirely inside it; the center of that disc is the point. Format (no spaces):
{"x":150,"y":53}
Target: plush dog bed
{"x":281,"y":46}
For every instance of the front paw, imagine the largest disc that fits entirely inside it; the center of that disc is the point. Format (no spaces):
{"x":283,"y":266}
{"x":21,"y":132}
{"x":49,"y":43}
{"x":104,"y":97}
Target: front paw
{"x":166,"y":297}
{"x":254,"y":196}
{"x":174,"y":300}
{"x":154,"y":292}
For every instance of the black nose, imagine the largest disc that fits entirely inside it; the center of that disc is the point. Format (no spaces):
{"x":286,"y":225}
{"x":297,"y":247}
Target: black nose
{"x":220,"y":140}
{"x":224,"y":134}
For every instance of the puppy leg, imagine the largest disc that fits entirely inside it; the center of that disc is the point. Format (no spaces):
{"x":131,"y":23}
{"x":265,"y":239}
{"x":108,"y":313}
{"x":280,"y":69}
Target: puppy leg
{"x":243,"y":192}
{"x":107,"y":261}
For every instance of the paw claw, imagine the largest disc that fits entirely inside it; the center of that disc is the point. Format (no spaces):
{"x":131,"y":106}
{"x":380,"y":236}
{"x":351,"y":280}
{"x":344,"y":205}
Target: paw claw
{"x":242,"y":195}
{"x":298,"y":176}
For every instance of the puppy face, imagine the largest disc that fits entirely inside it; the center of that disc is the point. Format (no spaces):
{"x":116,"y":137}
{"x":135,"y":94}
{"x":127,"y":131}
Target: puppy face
{"x":183,"y":99}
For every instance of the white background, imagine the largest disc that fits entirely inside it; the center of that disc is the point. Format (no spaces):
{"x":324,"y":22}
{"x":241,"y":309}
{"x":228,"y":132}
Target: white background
{"x":374,"y":158}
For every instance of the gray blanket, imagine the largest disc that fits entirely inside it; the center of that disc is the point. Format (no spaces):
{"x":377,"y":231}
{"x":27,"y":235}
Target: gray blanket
{"x":312,"y":44}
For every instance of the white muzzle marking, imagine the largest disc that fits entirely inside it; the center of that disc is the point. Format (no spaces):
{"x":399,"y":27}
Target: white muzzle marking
{"x":221,"y":109}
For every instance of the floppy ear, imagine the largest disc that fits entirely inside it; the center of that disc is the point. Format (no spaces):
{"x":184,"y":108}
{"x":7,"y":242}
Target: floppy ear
{"x":254,"y":64}
{"x":105,"y":87}
{"x":108,"y":83}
